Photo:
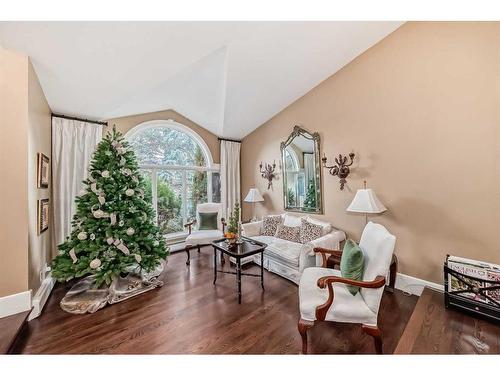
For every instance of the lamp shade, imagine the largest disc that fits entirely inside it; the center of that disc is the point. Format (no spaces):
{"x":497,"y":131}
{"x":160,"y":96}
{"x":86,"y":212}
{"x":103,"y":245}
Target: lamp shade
{"x":254,"y":196}
{"x":366,"y":202}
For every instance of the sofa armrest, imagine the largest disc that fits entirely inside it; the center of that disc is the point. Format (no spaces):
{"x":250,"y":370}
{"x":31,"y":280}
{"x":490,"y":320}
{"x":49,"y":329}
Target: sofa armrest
{"x":331,"y":241}
{"x":251,"y":229}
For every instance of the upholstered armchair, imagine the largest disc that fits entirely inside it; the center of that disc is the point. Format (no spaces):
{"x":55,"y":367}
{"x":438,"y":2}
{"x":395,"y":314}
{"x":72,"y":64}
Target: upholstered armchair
{"x":323,"y":294}
{"x":199,"y":237}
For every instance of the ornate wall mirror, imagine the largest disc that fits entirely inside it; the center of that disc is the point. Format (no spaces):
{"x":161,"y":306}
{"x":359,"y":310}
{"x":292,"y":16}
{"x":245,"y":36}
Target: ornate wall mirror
{"x":301,"y":172}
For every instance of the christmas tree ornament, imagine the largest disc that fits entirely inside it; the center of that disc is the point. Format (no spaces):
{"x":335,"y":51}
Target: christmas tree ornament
{"x":93,"y":187}
{"x":138,"y":258}
{"x":124,"y":249}
{"x":117,"y":242}
{"x":121,"y":223}
{"x":73,"y":256}
{"x":91,"y":178}
{"x":92,"y":236}
{"x":156,"y":243}
{"x":130,"y":231}
{"x":122,"y":161}
{"x":98,"y":214}
{"x":82,"y":236}
{"x":127,"y":172}
{"x":101,"y":199}
{"x":110,"y":240}
{"x":129,"y":192}
{"x":82,"y":192}
{"x":112,"y":218}
{"x":95,"y":263}
{"x":105,"y":174}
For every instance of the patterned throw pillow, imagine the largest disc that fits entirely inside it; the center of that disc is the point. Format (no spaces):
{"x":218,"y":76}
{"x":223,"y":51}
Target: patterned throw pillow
{"x":288,"y":233}
{"x":309,"y":231}
{"x":270,"y":224}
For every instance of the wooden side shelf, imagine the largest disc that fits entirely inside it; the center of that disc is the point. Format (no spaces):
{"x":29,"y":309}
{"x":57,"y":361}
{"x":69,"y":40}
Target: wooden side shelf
{"x":10,"y":327}
{"x":433,"y":329}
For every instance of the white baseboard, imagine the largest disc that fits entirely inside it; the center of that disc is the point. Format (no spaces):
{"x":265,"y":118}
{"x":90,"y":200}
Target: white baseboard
{"x":41,"y":297}
{"x":414,"y":285}
{"x":15,"y":303}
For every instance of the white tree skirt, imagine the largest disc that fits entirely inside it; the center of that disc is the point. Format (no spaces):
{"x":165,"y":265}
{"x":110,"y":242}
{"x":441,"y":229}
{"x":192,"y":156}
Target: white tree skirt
{"x":83,"y":297}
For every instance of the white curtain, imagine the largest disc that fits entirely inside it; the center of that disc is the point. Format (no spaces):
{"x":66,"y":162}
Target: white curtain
{"x":73,"y":143}
{"x":229,"y":175}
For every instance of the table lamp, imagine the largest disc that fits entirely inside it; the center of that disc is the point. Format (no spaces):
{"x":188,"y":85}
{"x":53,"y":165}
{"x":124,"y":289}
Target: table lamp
{"x":366,"y":201}
{"x":254,"y":196}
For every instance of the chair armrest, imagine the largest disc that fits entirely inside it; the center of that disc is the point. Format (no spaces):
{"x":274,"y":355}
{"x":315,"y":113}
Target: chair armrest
{"x":251,"y":229}
{"x":335,"y":254}
{"x":327,"y":281}
{"x":190,"y":225}
{"x":223,"y":221}
{"x":328,"y":241}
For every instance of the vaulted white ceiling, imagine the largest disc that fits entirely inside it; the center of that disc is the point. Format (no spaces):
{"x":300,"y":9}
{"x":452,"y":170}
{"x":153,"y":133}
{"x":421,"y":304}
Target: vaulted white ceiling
{"x":229,"y":77}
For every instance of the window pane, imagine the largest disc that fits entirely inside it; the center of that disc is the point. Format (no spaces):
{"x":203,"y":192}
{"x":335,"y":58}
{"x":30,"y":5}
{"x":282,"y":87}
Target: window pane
{"x":215,"y":187}
{"x":196,"y":191}
{"x":170,"y":201}
{"x":161,"y":145}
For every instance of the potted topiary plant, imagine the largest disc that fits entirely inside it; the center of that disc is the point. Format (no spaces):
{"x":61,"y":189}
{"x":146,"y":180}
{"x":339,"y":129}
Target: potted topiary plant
{"x":233,"y":225}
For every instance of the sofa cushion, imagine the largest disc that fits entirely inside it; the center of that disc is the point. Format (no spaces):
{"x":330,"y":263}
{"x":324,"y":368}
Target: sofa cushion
{"x":309,"y":231}
{"x":327,"y":227}
{"x":288,"y":233}
{"x":292,"y":221}
{"x":281,"y":251}
{"x":270,"y":224}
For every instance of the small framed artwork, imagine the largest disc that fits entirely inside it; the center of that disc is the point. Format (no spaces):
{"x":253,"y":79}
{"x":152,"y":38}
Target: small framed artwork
{"x":43,"y":174}
{"x":43,"y":215}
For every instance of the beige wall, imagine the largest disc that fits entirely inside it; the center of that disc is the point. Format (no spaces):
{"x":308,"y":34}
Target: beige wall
{"x":25,"y":128}
{"x":124,"y":124}
{"x":421,"y":111}
{"x":13,"y":172}
{"x":39,"y":140}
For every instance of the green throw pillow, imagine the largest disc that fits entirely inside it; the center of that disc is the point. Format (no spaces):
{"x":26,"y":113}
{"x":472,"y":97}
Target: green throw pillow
{"x":352,"y":264}
{"x":208,"y":220}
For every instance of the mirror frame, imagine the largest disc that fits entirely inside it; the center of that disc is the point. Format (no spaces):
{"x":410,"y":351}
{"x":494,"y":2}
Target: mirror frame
{"x":298,"y":131}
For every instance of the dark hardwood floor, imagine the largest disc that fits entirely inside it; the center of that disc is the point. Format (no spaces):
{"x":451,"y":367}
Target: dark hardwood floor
{"x":190,"y":315}
{"x":10,"y":328}
{"x":433,"y":329}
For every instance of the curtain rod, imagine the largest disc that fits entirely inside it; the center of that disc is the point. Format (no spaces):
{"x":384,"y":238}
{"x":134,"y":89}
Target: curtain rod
{"x":80,"y":119}
{"x":229,"y":140}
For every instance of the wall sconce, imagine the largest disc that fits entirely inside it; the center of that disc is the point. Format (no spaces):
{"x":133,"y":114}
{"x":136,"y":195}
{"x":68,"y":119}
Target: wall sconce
{"x":268,"y":173}
{"x":341,"y":169}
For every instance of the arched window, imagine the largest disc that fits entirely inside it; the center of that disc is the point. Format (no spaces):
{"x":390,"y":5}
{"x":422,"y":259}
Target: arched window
{"x":179,"y":172}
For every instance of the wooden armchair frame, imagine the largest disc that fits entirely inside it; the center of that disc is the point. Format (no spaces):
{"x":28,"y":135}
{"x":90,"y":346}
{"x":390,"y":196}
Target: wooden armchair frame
{"x":327,"y":282}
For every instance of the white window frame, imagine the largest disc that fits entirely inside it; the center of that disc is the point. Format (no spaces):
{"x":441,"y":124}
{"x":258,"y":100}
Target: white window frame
{"x":153,"y":168}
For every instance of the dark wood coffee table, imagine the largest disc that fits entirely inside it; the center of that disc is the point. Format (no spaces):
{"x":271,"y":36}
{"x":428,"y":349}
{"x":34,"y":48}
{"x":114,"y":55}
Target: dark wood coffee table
{"x":247,"y":248}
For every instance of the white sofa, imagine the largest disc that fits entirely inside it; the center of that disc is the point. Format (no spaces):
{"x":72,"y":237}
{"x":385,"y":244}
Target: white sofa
{"x":286,"y":258}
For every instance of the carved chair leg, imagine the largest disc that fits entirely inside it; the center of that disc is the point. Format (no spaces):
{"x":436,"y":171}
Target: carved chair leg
{"x":188,"y":261}
{"x":377,"y":337}
{"x":303,"y":326}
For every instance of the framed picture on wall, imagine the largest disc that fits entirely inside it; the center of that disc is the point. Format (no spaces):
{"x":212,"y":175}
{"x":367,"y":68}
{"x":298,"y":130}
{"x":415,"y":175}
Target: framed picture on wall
{"x":43,"y":174}
{"x":43,"y":215}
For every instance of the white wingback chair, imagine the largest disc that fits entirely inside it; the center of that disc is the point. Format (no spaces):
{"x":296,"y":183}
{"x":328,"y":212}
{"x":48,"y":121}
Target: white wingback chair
{"x":198,"y":238}
{"x":323,"y":294}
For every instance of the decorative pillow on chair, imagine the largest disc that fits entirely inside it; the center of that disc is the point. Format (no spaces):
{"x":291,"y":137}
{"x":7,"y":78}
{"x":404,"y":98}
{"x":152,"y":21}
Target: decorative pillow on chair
{"x":352,"y":264}
{"x":288,"y":233}
{"x":270,"y":224}
{"x":208,"y":220}
{"x":309,"y":231}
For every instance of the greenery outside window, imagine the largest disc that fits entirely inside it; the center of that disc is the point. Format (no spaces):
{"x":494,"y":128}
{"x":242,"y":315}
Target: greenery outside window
{"x":179,"y":172}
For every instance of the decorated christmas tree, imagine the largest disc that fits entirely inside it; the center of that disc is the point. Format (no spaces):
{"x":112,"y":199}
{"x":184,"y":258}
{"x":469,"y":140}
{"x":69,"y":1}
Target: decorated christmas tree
{"x":310,"y":201}
{"x":113,"y":228}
